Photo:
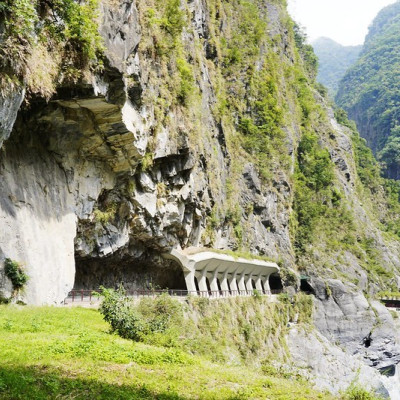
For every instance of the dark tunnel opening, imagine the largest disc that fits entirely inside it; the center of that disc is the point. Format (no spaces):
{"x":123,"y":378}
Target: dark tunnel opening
{"x":112,"y":272}
{"x":305,"y":286}
{"x":275,"y":282}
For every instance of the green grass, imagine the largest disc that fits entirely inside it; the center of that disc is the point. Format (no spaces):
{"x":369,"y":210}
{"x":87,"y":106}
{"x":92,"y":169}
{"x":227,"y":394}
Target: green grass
{"x":68,"y":353}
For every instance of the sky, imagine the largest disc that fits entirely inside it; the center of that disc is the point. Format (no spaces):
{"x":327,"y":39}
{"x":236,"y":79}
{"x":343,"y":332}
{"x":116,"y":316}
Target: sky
{"x":345,"y":21}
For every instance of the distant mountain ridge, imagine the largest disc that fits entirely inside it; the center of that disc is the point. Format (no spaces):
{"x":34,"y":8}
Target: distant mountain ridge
{"x":370,"y":90}
{"x":334,"y":60}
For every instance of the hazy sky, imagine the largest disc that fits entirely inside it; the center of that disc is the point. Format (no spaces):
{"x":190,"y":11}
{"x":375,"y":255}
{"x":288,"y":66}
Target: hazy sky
{"x":345,"y":21}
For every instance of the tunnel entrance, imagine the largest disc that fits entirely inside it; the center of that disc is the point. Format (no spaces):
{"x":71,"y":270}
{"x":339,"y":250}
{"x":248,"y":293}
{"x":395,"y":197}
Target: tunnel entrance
{"x":305,"y":286}
{"x":111,"y":272}
{"x":275,"y":282}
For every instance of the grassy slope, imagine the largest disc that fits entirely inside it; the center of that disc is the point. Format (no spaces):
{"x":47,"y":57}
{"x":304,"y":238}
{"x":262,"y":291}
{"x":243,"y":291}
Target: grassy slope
{"x":49,"y":353}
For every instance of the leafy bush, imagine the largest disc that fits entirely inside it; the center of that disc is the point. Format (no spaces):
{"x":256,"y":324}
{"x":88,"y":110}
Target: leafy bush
{"x":15,"y":273}
{"x":107,"y":215}
{"x":186,"y":80}
{"x":119,"y":312}
{"x":136,"y":322}
{"x":173,"y":20}
{"x":356,"y":392}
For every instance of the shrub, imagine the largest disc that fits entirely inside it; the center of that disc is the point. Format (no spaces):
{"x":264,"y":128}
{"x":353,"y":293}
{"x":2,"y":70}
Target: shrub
{"x":118,"y":311}
{"x":106,"y":216}
{"x":355,"y":392}
{"x":136,"y":322}
{"x":186,"y":80}
{"x":284,"y":298}
{"x":173,"y":20}
{"x":15,"y":273}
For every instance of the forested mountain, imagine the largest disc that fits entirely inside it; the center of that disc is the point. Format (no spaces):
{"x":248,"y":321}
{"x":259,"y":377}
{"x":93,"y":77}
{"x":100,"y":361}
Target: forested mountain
{"x":370,"y":91}
{"x":334,"y":61}
{"x":131,"y":129}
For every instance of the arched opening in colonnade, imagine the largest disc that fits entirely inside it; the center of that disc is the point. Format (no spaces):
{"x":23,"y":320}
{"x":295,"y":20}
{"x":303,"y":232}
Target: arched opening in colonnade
{"x":196,"y":282}
{"x":208,"y":285}
{"x":212,"y":272}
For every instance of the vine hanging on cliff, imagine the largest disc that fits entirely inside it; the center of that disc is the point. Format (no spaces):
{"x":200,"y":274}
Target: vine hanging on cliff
{"x":15,"y":273}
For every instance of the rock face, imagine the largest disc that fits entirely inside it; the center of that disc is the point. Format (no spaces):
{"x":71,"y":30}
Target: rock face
{"x":356,"y":338}
{"x":331,"y":368}
{"x":76,"y":193}
{"x":9,"y":107}
{"x":149,"y":155}
{"x":135,"y":173}
{"x":361,"y":327}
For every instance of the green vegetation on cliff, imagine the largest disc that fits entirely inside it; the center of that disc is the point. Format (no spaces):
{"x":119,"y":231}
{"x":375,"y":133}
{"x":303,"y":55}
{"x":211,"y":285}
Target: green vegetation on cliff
{"x":250,"y":330}
{"x":385,"y":191}
{"x":370,"y":91}
{"x":45,"y":43}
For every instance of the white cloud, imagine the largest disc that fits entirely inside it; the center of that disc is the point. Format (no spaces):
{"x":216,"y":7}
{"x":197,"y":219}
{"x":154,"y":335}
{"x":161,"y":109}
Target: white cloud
{"x":345,"y":21}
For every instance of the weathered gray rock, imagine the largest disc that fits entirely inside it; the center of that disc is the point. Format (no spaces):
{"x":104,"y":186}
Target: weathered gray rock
{"x":38,"y":224}
{"x":6,"y":289}
{"x":120,"y":30}
{"x":366,"y":328}
{"x":331,"y":368}
{"x":9,"y":107}
{"x":356,"y":339}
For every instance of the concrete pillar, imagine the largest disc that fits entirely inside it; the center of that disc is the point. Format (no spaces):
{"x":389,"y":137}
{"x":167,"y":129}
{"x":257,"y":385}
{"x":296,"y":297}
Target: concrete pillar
{"x":241,"y":285}
{"x":249,"y":284}
{"x":266,"y":285}
{"x":214,"y":284}
{"x":258,"y":284}
{"x":190,"y":284}
{"x":201,"y":279}
{"x":224,"y":284}
{"x":233,"y":284}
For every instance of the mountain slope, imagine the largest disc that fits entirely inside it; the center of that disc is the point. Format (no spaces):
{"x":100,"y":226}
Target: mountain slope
{"x":187,"y":123}
{"x":333,"y":61}
{"x":186,"y":137}
{"x":370,"y":91}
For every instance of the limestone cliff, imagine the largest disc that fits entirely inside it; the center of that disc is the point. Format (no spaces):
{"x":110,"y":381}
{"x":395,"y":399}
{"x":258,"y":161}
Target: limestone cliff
{"x":123,"y":166}
{"x":202,"y":128}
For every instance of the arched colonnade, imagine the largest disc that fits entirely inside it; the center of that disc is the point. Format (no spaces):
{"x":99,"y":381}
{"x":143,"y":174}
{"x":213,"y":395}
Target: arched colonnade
{"x":209,"y":273}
